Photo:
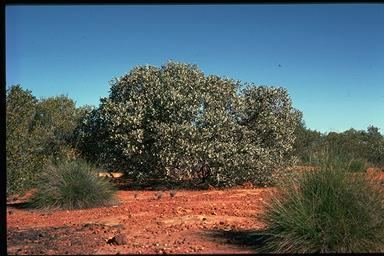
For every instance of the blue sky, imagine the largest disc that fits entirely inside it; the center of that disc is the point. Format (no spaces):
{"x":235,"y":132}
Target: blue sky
{"x":330,"y":57}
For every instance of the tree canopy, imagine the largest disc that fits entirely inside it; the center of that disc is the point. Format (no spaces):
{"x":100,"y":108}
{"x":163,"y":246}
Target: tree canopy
{"x":174,"y":121}
{"x":37,"y":132}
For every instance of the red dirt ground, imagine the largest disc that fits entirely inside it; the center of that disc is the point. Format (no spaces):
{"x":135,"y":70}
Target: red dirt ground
{"x":199,"y":221}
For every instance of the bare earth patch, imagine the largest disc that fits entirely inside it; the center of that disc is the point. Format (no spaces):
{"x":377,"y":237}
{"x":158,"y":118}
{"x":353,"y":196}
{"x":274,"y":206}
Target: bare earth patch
{"x":192,"y":221}
{"x":188,"y":222}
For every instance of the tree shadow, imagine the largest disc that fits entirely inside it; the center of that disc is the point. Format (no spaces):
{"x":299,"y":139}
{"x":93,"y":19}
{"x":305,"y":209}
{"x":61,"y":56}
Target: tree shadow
{"x":19,"y":205}
{"x":254,"y":240}
{"x":83,"y":239}
{"x":123,"y":183}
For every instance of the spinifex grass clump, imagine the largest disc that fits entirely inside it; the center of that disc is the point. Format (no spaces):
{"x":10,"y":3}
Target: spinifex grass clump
{"x":72,"y":185}
{"x":326,"y":210}
{"x":357,"y":165}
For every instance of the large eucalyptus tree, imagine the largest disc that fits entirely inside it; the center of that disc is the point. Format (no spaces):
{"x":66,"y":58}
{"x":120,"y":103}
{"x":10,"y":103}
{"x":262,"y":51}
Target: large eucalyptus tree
{"x":173,"y":121}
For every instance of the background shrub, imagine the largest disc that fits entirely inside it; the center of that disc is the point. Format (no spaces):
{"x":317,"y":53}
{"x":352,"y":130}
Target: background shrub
{"x":72,"y":185}
{"x":23,"y":142}
{"x":326,"y":210}
{"x":38,"y":132}
{"x":311,"y":146}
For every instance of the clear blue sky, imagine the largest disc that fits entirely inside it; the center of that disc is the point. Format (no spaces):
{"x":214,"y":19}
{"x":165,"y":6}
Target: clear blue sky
{"x":331,"y":56}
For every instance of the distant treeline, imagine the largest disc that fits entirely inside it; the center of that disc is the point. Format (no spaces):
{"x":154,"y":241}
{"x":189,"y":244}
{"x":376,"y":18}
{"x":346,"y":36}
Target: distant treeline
{"x":312,"y":146}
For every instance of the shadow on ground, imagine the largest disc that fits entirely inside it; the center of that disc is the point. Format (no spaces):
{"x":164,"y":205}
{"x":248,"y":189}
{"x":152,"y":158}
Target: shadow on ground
{"x":21,"y":205}
{"x":254,"y":240}
{"x":73,"y":240}
{"x":124,"y":183}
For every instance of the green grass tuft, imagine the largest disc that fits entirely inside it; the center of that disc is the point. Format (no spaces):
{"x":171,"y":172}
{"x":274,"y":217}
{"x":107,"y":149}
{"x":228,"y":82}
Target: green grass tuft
{"x":326,"y":210}
{"x":357,"y":165}
{"x":72,"y":185}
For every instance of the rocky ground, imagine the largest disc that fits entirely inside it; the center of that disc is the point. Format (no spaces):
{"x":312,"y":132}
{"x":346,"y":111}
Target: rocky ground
{"x":144,"y":221}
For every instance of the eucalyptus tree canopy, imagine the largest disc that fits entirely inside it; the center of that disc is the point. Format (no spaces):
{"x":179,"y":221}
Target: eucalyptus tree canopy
{"x":173,"y":121}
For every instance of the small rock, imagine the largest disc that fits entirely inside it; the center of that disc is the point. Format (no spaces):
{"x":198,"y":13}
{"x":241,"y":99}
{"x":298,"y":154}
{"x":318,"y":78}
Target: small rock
{"x":159,"y":195}
{"x":172,"y":193}
{"x":119,"y":239}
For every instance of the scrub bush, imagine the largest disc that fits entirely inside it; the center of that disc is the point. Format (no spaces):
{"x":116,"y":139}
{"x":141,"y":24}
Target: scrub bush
{"x":38,"y":132}
{"x":326,"y":210}
{"x":72,"y":185}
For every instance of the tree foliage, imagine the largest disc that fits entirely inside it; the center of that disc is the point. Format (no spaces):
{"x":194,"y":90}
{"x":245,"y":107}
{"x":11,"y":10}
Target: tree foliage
{"x":22,"y":147}
{"x":175,"y":122}
{"x":308,"y":144}
{"x":56,"y":119}
{"x":311,"y":146}
{"x":37,"y":132}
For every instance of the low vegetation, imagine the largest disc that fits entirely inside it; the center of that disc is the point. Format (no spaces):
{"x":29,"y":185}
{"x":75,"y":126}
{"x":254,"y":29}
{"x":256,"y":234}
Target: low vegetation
{"x":72,"y":185}
{"x":357,"y":165}
{"x":326,"y":210}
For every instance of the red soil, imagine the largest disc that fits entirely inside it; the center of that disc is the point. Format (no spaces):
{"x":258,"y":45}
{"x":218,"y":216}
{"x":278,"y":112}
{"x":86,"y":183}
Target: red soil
{"x":189,"y":222}
{"x":199,"y":221}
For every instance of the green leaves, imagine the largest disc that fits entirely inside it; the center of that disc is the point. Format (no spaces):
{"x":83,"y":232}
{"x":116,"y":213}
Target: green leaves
{"x":20,"y":145}
{"x":38,"y":131}
{"x":175,"y":118}
{"x":360,"y":145}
